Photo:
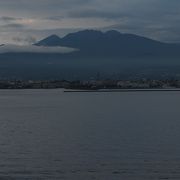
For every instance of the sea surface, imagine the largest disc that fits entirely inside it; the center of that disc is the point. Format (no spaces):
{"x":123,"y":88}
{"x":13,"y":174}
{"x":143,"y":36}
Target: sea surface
{"x":49,"y":134}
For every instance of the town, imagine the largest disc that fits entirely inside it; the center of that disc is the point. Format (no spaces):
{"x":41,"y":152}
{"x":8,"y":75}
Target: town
{"x":90,"y":84}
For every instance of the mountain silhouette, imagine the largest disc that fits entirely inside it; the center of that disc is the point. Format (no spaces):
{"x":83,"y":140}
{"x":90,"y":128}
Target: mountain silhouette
{"x":52,"y":40}
{"x":111,"y":43}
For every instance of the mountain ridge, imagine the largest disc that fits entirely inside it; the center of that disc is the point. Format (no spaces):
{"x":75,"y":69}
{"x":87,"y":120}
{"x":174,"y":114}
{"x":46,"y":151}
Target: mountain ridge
{"x":111,"y":43}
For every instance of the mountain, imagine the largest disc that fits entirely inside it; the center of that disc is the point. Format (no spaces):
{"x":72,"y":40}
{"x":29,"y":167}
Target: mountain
{"x":111,"y":54}
{"x":52,"y":40}
{"x":111,"y":43}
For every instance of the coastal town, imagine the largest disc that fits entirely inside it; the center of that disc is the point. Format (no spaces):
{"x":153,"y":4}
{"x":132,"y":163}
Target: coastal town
{"x":90,"y":84}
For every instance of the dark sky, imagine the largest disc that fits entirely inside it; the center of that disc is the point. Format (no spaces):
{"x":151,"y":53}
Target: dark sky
{"x":25,"y":21}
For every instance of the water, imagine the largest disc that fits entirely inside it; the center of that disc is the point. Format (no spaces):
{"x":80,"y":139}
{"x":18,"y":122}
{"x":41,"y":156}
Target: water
{"x":48,"y":134}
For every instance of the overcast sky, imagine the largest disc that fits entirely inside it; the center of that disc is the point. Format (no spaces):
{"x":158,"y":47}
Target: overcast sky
{"x":25,"y":21}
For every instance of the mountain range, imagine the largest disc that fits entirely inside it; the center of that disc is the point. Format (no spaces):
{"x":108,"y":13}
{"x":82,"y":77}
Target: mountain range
{"x":110,"y":54}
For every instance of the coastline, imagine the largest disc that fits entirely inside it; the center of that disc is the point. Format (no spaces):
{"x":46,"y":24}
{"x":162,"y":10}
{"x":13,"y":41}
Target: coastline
{"x":122,"y":90}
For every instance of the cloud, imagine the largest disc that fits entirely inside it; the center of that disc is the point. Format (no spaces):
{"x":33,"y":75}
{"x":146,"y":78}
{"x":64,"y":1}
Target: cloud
{"x":8,"y":19}
{"x":28,"y":39}
{"x":93,"y":13}
{"x":12,"y":26}
{"x":158,"y":19}
{"x":54,"y":18}
{"x":34,"y":49}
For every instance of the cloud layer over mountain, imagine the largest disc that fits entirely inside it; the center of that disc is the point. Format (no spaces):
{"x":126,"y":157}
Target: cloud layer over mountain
{"x":34,"y":49}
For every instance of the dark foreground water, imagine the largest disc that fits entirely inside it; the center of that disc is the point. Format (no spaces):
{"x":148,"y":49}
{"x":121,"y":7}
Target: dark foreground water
{"x":48,"y":134}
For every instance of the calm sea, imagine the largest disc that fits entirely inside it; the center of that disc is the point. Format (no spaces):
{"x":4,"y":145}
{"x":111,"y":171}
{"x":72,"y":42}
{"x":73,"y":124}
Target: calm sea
{"x":48,"y":134}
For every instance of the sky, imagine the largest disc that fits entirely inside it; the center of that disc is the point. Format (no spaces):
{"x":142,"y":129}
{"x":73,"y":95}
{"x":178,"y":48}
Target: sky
{"x":27,"y":21}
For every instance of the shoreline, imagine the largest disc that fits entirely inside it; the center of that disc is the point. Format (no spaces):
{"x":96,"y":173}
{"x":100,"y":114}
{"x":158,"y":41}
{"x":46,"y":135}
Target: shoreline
{"x":121,"y":90}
